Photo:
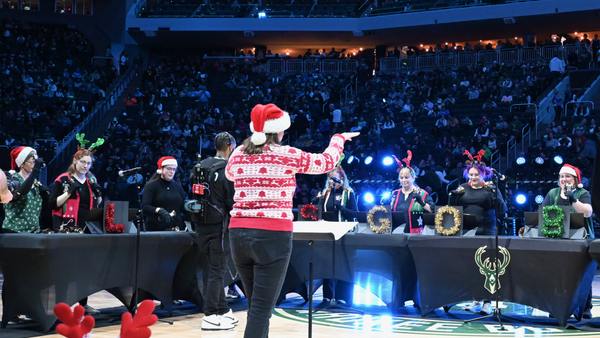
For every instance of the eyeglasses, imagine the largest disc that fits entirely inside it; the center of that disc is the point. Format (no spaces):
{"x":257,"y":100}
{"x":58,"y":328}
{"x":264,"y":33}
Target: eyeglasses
{"x":84,"y":162}
{"x":170,"y":168}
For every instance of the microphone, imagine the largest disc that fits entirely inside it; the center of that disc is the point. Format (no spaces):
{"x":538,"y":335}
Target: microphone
{"x":500,"y":175}
{"x":127,"y":172}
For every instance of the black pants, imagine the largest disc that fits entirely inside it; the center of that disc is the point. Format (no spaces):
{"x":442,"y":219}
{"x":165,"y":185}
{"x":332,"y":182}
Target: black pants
{"x":213,"y":261}
{"x":261,"y":258}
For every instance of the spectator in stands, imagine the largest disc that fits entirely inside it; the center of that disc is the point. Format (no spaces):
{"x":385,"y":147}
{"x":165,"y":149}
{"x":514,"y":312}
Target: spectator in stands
{"x":24,"y":211}
{"x":163,"y":198}
{"x":557,"y":65}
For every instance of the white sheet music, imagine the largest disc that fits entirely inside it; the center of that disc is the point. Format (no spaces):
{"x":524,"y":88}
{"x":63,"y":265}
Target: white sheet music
{"x":337,"y":229}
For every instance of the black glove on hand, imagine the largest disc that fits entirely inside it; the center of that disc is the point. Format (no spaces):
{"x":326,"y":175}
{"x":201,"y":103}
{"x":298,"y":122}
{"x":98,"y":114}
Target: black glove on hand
{"x":571,"y":196}
{"x":74,"y":186}
{"x":458,"y":191}
{"x":39,"y":164}
{"x":164,"y":217}
{"x":419,"y":199}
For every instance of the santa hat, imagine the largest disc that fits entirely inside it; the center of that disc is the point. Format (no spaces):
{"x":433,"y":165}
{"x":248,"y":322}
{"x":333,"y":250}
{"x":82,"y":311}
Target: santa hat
{"x":165,"y":160}
{"x":267,"y":119}
{"x":5,"y":194}
{"x":19,"y":154}
{"x":572,"y":170}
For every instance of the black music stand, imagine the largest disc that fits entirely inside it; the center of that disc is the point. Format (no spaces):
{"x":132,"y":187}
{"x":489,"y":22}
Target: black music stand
{"x":318,"y":231}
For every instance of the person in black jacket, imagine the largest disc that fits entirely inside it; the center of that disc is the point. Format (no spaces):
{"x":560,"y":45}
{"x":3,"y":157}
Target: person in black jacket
{"x":163,"y":198}
{"x":337,"y":202}
{"x":215,"y":193}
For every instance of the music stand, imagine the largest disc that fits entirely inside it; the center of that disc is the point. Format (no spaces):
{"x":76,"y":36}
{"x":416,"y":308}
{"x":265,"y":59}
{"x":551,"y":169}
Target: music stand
{"x":318,"y":231}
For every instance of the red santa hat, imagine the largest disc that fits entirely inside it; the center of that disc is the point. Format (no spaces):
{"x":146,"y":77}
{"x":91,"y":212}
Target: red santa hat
{"x":19,"y":154}
{"x":164,"y":161}
{"x":267,"y":119}
{"x":572,"y":170}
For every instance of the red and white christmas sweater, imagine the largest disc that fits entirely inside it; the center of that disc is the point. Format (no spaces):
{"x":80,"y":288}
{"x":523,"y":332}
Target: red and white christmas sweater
{"x":265,"y":183}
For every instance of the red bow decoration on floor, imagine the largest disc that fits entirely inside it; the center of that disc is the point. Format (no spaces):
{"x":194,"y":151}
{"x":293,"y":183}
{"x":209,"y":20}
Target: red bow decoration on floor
{"x":137,"y":326}
{"x":74,"y":324}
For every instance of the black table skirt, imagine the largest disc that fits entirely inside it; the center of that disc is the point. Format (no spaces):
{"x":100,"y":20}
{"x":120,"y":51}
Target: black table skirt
{"x":355,"y":253}
{"x":42,"y":270}
{"x":551,"y":275}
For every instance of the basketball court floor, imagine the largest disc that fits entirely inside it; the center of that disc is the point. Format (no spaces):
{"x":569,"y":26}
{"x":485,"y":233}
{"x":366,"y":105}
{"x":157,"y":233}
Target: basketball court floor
{"x":290,"y":321}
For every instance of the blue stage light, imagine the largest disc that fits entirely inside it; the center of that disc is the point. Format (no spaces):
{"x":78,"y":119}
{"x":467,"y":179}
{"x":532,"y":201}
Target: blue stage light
{"x":368,"y":198}
{"x":539,"y":199}
{"x":350,"y":159}
{"x":521,"y":199}
{"x":386,"y":195}
{"x":387,"y":161}
{"x":521,"y":160}
{"x":368,"y":160}
{"x":558,"y":159}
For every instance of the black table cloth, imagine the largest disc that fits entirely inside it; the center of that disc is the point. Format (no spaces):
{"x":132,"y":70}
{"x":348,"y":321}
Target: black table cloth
{"x":42,"y":270}
{"x":384,"y":255}
{"x":551,"y":275}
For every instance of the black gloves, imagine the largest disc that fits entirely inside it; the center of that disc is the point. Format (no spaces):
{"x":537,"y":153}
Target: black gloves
{"x":164,"y":217}
{"x":571,"y":195}
{"x":39,"y":164}
{"x":419,"y":199}
{"x":74,"y":186}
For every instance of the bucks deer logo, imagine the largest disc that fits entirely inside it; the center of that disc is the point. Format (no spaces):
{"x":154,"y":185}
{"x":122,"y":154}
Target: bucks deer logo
{"x":488,"y":267}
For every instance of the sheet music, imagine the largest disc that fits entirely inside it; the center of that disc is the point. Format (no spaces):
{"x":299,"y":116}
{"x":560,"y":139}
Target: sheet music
{"x":336,"y":229}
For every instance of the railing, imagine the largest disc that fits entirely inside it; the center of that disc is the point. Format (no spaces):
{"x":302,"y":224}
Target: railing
{"x":66,"y":148}
{"x":589,"y":105}
{"x":331,"y":66}
{"x":485,"y":57}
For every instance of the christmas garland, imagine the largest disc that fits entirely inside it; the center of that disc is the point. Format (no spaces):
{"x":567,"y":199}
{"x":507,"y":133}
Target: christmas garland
{"x":553,"y":221}
{"x":109,"y":220}
{"x":309,"y":212}
{"x":439,"y":218}
{"x":383,"y":224}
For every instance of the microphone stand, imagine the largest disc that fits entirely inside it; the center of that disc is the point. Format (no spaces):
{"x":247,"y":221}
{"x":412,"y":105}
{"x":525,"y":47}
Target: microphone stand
{"x":496,"y":313}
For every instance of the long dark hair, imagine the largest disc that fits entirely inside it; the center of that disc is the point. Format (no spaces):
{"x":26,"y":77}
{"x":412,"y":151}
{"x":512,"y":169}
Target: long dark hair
{"x":252,"y":149}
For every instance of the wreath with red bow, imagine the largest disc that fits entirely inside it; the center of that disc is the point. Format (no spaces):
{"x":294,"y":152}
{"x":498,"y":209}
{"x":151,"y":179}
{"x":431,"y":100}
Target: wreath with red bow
{"x":309,"y":212}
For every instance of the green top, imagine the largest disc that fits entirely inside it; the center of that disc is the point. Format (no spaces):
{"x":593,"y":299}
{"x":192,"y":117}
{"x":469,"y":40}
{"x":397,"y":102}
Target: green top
{"x":23,"y":214}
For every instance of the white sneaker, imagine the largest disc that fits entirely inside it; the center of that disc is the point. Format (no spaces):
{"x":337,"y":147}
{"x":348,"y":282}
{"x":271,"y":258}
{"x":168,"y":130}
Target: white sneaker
{"x":473,"y":307}
{"x":486,"y":309}
{"x":216,"y":322}
{"x":229,"y":315}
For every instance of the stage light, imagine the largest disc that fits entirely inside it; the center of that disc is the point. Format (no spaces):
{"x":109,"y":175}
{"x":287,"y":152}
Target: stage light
{"x":262,"y":15}
{"x":558,"y":159}
{"x":386,"y":195}
{"x":539,"y":160}
{"x":387,"y":161}
{"x":539,"y":199}
{"x":350,"y":159}
{"x":521,"y":160}
{"x":368,"y":160}
{"x":368,"y":198}
{"x":521,"y":199}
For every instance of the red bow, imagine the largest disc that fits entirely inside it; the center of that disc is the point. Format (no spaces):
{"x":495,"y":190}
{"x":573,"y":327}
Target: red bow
{"x":74,"y":324}
{"x":137,"y":326}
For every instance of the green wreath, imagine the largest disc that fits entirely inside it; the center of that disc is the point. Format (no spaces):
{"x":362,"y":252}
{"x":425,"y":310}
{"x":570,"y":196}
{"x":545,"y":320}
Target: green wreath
{"x":553,"y":221}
